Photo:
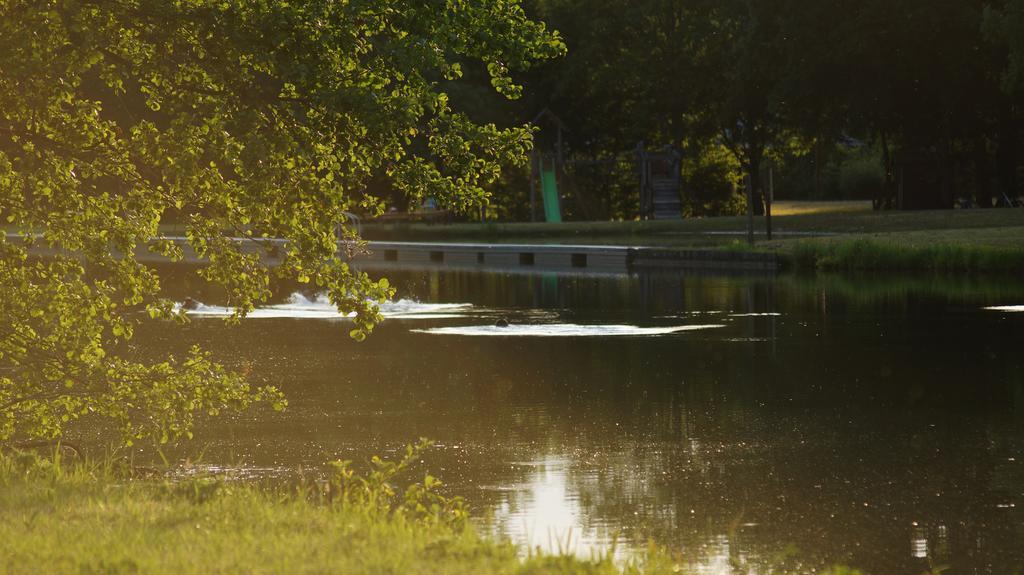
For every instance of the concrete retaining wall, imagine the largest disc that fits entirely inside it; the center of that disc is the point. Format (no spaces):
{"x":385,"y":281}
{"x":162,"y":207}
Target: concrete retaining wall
{"x":522,"y":257}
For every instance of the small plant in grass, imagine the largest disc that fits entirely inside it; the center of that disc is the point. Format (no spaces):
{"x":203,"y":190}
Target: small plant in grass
{"x":376,"y":493}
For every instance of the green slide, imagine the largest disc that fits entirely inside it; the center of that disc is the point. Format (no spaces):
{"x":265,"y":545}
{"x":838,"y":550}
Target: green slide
{"x":549,"y":187}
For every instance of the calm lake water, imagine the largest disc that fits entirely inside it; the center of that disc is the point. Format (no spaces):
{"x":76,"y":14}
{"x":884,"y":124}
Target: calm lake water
{"x":867,"y":421}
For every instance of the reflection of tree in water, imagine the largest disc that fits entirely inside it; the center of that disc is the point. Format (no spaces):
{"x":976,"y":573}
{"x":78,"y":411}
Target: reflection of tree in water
{"x":648,"y":293}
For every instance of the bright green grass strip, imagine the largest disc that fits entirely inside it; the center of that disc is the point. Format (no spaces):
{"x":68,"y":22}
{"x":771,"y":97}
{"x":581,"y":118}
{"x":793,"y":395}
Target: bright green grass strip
{"x":90,"y":518}
{"x":84,"y":518}
{"x":866,"y":254}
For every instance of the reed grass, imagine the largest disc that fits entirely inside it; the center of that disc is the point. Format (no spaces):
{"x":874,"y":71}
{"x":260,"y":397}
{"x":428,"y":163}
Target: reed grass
{"x":863,"y":254}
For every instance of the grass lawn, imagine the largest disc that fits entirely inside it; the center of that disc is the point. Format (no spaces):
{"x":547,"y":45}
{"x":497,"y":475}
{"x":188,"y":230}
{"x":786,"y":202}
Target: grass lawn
{"x":791,"y":220}
{"x":798,"y":208}
{"x":92,"y":518}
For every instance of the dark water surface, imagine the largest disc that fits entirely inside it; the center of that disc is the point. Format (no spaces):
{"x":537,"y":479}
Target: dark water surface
{"x":872,"y":422}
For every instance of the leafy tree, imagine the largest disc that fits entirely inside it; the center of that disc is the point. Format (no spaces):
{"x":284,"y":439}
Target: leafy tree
{"x":713,"y":179}
{"x":243,"y":119}
{"x":635,"y":71}
{"x":697,"y":74}
{"x":1004,"y":26}
{"x":788,"y":79}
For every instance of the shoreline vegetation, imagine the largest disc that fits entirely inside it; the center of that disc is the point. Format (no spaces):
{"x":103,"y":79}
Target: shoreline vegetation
{"x":862,"y":254}
{"x":830,"y":236}
{"x":81,"y":516}
{"x":834,"y":236}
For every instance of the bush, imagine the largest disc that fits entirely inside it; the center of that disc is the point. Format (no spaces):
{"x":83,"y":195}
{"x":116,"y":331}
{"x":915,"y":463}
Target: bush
{"x":846,"y":172}
{"x":861,"y":176}
{"x":711,"y":183}
{"x":610,"y":187}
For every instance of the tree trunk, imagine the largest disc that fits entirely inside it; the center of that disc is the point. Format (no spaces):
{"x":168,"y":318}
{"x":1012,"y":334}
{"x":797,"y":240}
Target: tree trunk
{"x":1006,"y":160}
{"x":817,"y":169}
{"x":884,"y":200}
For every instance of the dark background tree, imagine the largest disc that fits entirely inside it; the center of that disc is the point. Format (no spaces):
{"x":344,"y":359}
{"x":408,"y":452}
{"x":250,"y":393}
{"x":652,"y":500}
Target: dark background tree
{"x":836,"y":96}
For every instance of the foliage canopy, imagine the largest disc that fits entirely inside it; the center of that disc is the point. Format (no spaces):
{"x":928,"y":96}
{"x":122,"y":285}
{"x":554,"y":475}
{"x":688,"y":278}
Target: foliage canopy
{"x":242,"y":119}
{"x":790,"y":82}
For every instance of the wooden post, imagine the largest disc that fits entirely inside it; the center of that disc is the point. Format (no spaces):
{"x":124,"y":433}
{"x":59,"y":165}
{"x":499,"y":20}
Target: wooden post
{"x":642,"y":171}
{"x":558,"y":145}
{"x":533,"y":186}
{"x":768,"y":199}
{"x":558,"y":163}
{"x":817,"y":170}
{"x":750,"y":209}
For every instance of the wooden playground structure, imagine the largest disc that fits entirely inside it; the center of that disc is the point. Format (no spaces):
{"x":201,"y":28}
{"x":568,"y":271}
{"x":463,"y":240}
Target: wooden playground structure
{"x":660,"y":181}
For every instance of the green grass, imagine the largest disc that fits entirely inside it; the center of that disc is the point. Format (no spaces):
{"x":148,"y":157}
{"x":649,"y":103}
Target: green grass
{"x":788,"y":217}
{"x":102,"y":518}
{"x":793,"y":208}
{"x":89,"y":518}
{"x":889,"y":254}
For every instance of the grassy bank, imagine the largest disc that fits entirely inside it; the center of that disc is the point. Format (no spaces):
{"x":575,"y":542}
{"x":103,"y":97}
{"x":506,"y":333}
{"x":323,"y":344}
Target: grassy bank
{"x":103,"y":518}
{"x":96,"y":518}
{"x":871,"y":254}
{"x":839,"y":236}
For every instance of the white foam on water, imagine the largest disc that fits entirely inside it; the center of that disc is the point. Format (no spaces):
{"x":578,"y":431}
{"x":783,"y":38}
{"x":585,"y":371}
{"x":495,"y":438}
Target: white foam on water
{"x":402,"y":307}
{"x":763,"y":314}
{"x":408,"y":307}
{"x":563,"y":330}
{"x":1009,"y":308}
{"x":686,"y":314}
{"x":298,"y":306}
{"x":269,"y":312}
{"x":425,"y":315}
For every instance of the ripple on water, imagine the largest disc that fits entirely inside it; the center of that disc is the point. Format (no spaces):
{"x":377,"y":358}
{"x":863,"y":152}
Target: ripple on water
{"x":563,"y":330}
{"x":298,"y":306}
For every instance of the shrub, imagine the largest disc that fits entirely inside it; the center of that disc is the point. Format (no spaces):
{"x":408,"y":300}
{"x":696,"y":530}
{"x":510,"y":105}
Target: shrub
{"x":711,"y":183}
{"x":860,"y":176}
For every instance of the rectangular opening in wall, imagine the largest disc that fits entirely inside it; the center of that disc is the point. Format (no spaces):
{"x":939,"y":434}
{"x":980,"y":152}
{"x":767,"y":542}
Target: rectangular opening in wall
{"x":479,"y":257}
{"x":526,"y":259}
{"x":391,"y":255}
{"x":437,"y":257}
{"x":579,"y":260}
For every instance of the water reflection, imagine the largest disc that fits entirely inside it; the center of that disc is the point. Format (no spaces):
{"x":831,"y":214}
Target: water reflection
{"x":543,"y":512}
{"x":875,"y":423}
